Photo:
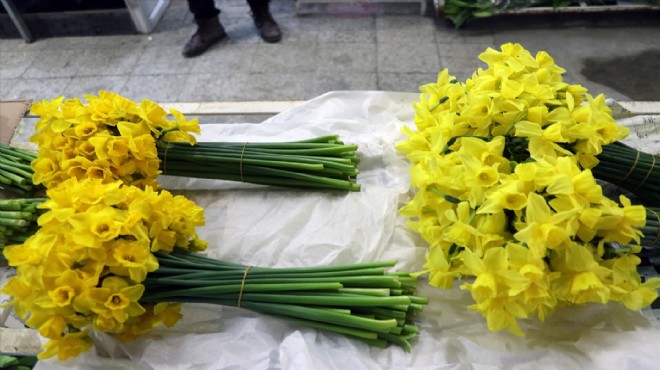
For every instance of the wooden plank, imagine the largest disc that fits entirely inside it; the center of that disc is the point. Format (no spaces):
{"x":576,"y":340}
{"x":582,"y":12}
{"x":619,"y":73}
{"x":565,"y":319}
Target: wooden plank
{"x":19,"y":342}
{"x":641,"y":107}
{"x":228,"y":108}
{"x":231,"y":108}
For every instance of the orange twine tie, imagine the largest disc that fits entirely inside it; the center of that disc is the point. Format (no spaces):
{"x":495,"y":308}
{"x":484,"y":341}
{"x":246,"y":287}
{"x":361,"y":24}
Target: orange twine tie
{"x":647,"y":174}
{"x":634,"y":165}
{"x":165,"y":159}
{"x":240,"y":163}
{"x":240,"y":294}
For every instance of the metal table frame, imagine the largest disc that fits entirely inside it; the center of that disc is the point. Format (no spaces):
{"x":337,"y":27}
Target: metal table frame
{"x":18,"y":20}
{"x":144,"y":15}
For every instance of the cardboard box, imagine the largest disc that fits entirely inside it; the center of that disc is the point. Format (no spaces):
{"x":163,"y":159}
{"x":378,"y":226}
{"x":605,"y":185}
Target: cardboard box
{"x":11,"y":113}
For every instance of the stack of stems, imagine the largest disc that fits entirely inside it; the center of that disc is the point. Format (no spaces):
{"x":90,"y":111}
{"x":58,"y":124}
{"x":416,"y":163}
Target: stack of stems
{"x":319,"y":163}
{"x":360,"y":301}
{"x":17,"y":362}
{"x":18,"y":220}
{"x":651,"y":240}
{"x":15,"y":171}
{"x":630,"y":169}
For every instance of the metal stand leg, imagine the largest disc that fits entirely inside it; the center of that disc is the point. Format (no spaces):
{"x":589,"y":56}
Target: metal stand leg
{"x":18,"y":21}
{"x":145,"y":15}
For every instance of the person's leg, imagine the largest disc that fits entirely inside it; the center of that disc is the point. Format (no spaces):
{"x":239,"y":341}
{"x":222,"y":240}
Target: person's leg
{"x":209,"y":29}
{"x":263,"y":20}
{"x":203,"y":9}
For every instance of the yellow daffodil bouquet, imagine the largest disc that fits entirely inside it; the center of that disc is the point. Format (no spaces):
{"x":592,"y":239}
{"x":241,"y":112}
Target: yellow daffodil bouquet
{"x":111,"y":137}
{"x":119,"y":259}
{"x":506,"y":198}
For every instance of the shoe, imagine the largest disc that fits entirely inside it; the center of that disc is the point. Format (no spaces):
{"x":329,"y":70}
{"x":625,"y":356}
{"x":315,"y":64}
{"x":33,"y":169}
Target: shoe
{"x":263,"y":20}
{"x":209,"y":31}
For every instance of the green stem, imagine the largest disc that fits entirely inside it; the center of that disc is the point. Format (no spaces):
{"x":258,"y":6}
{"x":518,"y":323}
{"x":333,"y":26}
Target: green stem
{"x":361,"y":301}
{"x":321,"y":163}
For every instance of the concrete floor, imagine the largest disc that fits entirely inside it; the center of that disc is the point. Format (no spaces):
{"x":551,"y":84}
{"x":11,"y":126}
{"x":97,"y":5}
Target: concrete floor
{"x":326,"y":52}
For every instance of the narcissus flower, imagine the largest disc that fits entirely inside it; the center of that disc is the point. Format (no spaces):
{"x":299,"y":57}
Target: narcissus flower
{"x":109,"y":138}
{"x":85,"y":265}
{"x":504,"y":195}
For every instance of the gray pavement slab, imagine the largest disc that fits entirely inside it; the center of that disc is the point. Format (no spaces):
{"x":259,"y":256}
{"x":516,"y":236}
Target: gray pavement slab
{"x":408,"y":57}
{"x":338,"y":57}
{"x":81,"y":85}
{"x":336,"y":50}
{"x":154,"y":87}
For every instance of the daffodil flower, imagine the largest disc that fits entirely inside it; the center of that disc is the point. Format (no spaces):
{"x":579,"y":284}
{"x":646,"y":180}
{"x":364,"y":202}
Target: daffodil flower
{"x":501,"y":199}
{"x":504,"y":191}
{"x":626,"y":285}
{"x":501,"y":313}
{"x":23,"y":294}
{"x":494,"y":289}
{"x":460,"y":230}
{"x":134,"y":259}
{"x":92,"y":247}
{"x":118,"y":298}
{"x":438,"y":266}
{"x":69,"y":345}
{"x":109,"y":138}
{"x":53,"y":327}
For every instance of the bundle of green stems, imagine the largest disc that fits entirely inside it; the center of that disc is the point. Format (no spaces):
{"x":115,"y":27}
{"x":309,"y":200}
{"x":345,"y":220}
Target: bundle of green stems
{"x":17,"y":362}
{"x":651,"y":231}
{"x":18,"y":220}
{"x":319,"y":163}
{"x":360,"y":301}
{"x":15,"y":170}
{"x":630,"y":169}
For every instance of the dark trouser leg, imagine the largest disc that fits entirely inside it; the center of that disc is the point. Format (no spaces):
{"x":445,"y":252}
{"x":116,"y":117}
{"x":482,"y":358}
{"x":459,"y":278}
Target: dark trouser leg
{"x":203,"y":9}
{"x":260,"y":5}
{"x":209,"y":29}
{"x":263,"y":20}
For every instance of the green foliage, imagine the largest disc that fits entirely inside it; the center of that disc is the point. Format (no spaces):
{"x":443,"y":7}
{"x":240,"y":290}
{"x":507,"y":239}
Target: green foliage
{"x":17,"y":363}
{"x":461,"y":11}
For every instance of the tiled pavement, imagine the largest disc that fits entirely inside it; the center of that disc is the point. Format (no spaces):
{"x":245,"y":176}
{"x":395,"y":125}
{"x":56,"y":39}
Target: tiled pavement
{"x":319,"y":53}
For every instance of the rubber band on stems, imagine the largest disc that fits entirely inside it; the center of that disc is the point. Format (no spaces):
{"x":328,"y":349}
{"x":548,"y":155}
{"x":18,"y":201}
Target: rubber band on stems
{"x":647,"y":174}
{"x":240,"y":162}
{"x":634,"y":165}
{"x":240,"y":294}
{"x":165,"y":159}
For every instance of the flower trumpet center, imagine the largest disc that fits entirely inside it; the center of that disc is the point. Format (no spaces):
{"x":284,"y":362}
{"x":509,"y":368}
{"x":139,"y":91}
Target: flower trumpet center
{"x":105,"y":229}
{"x":62,"y":296}
{"x":117,"y":301}
{"x":487,"y":176}
{"x":96,"y":173}
{"x":130,"y":254}
{"x":515,"y":201}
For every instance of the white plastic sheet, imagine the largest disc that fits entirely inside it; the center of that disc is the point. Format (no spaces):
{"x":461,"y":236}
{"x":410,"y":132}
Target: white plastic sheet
{"x":275,"y":227}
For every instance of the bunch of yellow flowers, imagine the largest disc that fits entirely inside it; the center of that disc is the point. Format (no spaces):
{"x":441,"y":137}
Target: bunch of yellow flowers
{"x":505,"y":195}
{"x":109,"y":138}
{"x":84,"y":267}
